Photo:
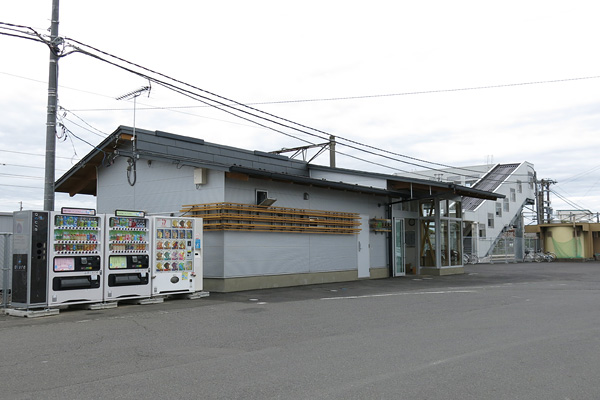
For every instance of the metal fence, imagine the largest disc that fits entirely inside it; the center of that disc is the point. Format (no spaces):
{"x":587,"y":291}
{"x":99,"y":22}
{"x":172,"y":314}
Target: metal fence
{"x":5,"y":266}
{"x":502,"y":249}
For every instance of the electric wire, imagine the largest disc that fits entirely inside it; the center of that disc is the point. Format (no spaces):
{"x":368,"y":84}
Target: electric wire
{"x":21,"y":186}
{"x":29,"y":154}
{"x":206,"y":100}
{"x":221,"y":104}
{"x":95,"y":130}
{"x":256,"y":110}
{"x":569,"y":202}
{"x":21,"y":176}
{"x":77,"y":49}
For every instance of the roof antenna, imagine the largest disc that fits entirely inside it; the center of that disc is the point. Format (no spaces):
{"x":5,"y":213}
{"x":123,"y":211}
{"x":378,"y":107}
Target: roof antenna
{"x":128,"y":96}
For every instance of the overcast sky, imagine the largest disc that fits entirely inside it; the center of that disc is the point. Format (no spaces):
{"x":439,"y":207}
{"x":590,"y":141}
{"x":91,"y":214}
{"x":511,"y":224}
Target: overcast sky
{"x":274,"y":52}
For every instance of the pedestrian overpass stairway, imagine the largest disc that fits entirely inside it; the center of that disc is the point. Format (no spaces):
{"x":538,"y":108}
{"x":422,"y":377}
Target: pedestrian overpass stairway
{"x":490,"y":183}
{"x":495,"y":246}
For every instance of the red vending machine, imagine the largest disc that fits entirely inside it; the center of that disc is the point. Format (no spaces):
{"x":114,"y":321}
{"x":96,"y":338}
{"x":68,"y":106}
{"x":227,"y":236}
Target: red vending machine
{"x":176,"y":255}
{"x":127,"y":258}
{"x":75,"y":257}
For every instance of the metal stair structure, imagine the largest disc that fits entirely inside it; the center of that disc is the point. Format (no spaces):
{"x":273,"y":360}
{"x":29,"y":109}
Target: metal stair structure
{"x":501,"y":237}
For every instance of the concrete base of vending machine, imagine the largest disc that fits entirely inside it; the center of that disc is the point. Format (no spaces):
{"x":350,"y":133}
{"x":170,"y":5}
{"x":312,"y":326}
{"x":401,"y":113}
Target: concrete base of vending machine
{"x":150,"y":300}
{"x":93,"y":306}
{"x":47,"y":312}
{"x":189,"y":296}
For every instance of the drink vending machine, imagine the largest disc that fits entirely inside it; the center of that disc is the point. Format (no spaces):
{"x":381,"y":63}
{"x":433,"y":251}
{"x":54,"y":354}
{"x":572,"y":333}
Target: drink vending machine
{"x":75,"y":257}
{"x":30,"y":259}
{"x":176,"y":255}
{"x":127,"y":258}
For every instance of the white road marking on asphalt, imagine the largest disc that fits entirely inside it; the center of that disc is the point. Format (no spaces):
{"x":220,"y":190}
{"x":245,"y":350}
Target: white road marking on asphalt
{"x":397,"y":294}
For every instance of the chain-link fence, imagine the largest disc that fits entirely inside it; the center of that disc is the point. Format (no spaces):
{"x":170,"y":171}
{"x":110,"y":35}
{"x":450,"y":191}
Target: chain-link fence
{"x":5,"y":267}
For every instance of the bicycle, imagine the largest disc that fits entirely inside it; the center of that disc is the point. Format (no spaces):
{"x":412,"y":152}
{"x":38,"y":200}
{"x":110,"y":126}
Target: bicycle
{"x":548,"y":256}
{"x":470,"y":259}
{"x":532,"y":256}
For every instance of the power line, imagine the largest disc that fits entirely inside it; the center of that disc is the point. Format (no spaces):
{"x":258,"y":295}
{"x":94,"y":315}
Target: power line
{"x":26,"y":166}
{"x":20,"y":186}
{"x":29,"y":154}
{"x":415,"y":161}
{"x":221,"y":106}
{"x":21,"y":176}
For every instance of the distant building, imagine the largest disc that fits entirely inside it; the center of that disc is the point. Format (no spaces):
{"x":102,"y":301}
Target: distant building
{"x":6,"y":222}
{"x":272,"y":221}
{"x":569,"y":240}
{"x":576,"y":216}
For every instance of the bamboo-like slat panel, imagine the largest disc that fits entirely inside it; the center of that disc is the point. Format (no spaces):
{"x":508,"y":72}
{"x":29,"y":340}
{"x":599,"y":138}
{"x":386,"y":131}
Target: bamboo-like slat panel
{"x":248,"y":217}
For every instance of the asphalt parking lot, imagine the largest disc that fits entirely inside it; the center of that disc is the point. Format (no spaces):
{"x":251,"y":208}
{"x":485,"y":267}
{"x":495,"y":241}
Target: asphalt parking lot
{"x":500,"y":331}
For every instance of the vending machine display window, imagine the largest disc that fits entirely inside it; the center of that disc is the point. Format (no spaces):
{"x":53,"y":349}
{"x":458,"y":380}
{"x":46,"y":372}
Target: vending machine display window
{"x":76,"y":234}
{"x":177,"y":264}
{"x":64,"y":264}
{"x":127,"y":235}
{"x":117,"y":262}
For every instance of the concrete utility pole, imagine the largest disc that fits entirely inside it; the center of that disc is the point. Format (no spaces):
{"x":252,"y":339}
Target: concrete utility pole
{"x":544,"y":211}
{"x":51,"y":111}
{"x":332,"y":151}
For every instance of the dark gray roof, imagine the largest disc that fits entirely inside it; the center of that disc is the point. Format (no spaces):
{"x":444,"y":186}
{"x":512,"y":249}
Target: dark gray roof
{"x":183,"y":150}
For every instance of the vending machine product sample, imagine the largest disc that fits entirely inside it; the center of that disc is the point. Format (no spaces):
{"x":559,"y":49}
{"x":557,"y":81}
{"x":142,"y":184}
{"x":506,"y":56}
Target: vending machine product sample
{"x":177,"y":255}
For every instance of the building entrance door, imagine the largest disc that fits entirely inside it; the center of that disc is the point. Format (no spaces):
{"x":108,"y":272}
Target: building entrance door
{"x":364,"y":261}
{"x":399,"y":261}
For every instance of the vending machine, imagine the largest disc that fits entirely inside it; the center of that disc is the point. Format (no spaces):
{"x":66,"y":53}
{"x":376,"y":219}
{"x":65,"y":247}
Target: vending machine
{"x":30,"y":259}
{"x":127,"y":258}
{"x":176,"y":255}
{"x":75,"y":257}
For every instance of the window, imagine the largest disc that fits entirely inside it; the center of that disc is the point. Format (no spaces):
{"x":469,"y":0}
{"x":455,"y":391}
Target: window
{"x":490,"y":223}
{"x":531,"y":180}
{"x":428,"y":256}
{"x":506,"y":205}
{"x":261,"y":195}
{"x":519,"y":186}
{"x":427,"y":208}
{"x":454,"y":209}
{"x":444,"y":208}
{"x":481,"y":230}
{"x":513,"y":195}
{"x":498,"y":209}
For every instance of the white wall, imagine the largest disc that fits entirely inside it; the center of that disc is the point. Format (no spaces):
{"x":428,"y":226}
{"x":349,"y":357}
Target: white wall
{"x":160,"y":187}
{"x":282,"y":253}
{"x":163,"y":188}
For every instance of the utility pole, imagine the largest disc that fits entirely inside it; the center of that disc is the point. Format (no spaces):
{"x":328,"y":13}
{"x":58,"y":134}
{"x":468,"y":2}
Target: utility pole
{"x":544,"y":211}
{"x":332,"y":151}
{"x":51,"y":111}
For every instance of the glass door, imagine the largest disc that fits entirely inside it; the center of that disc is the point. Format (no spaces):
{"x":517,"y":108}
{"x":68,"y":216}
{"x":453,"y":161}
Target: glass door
{"x":399,"y":262}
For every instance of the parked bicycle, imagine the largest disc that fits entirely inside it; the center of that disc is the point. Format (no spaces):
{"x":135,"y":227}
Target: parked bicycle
{"x":538,"y":256}
{"x":470,"y":259}
{"x":531,"y":255}
{"x":548,"y":256}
